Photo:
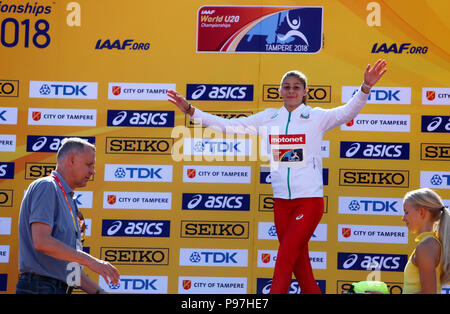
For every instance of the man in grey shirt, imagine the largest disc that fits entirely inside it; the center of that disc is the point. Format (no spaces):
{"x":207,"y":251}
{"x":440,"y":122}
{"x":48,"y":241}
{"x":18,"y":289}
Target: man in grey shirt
{"x":49,"y":230}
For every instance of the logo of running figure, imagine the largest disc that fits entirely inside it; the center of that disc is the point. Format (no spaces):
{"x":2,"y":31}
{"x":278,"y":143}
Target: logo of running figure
{"x":294,"y":32}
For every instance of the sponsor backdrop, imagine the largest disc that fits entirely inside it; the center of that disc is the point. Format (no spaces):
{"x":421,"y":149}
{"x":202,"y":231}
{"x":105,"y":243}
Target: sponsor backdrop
{"x":182,"y":209}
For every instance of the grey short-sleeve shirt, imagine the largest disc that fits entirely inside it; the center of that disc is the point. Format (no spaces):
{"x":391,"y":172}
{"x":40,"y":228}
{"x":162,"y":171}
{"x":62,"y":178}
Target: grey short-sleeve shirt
{"x":44,"y":202}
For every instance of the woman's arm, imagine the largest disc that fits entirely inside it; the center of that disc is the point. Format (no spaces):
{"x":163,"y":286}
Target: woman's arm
{"x":342,"y":114}
{"x":244,"y":125}
{"x":426,"y":259}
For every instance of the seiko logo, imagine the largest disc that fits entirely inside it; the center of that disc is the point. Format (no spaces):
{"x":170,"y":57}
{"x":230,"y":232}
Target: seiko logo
{"x":376,"y":178}
{"x":9,"y":88}
{"x":215,"y":229}
{"x":35,"y":170}
{"x":435,"y":151}
{"x":344,"y":287}
{"x":135,"y":256}
{"x":139,"y":145}
{"x":6,"y":198}
{"x":266,"y":203}
{"x":316,"y":93}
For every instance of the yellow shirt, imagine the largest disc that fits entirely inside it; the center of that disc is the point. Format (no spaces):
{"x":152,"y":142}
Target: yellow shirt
{"x":411,"y":276}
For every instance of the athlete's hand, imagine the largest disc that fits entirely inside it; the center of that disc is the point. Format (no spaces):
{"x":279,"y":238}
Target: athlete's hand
{"x":374,"y":74}
{"x":177,"y":99}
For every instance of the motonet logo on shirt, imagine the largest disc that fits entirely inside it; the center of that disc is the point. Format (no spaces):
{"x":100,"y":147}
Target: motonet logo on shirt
{"x":287,"y":139}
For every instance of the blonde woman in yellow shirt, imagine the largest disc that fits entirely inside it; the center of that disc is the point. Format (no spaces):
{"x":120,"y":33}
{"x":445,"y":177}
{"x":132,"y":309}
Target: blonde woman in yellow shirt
{"x":428,"y":267}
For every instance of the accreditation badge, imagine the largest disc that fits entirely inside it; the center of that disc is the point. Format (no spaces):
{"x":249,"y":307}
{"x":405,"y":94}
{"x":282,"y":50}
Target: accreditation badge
{"x":79,"y":246}
{"x":288,"y":150}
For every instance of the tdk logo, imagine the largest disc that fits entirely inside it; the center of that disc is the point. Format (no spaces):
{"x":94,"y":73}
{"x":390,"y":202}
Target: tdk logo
{"x":353,"y":205}
{"x":134,"y":284}
{"x":223,"y":92}
{"x":66,"y":90}
{"x":136,"y":228}
{"x":368,"y":261}
{"x":139,"y":173}
{"x":436,"y":124}
{"x":375,"y":150}
{"x":384,"y":95}
{"x":198,"y":201}
{"x":140,"y":118}
{"x":435,"y":179}
{"x":216,"y":146}
{"x":48,"y":143}
{"x":375,"y":206}
{"x":79,"y":90}
{"x":381,"y":95}
{"x":227,"y":147}
{"x":438,"y":180}
{"x":213,"y":257}
{"x":6,"y":170}
{"x":8,"y":115}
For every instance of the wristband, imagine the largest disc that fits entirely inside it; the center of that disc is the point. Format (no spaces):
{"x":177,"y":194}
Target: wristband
{"x":188,"y":108}
{"x":365,"y":86}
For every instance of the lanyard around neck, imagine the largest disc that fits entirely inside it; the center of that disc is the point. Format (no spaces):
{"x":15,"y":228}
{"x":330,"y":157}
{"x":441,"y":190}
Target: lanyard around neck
{"x":67,"y":202}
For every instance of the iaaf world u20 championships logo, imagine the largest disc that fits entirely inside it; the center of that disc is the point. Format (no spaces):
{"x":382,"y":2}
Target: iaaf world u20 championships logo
{"x":259,"y":29}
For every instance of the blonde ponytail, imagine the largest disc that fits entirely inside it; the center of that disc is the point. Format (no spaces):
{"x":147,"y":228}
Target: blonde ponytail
{"x":444,"y":237}
{"x":431,"y":201}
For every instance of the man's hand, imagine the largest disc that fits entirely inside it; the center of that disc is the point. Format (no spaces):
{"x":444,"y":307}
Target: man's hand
{"x":104,"y":269}
{"x":44,"y":242}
